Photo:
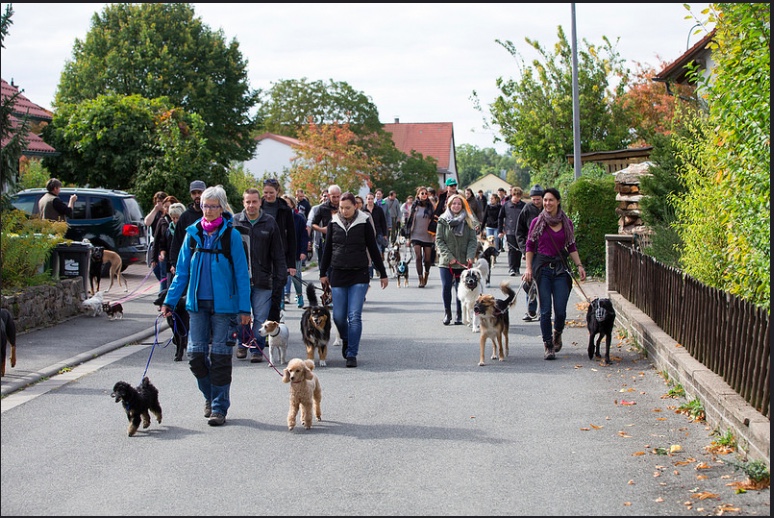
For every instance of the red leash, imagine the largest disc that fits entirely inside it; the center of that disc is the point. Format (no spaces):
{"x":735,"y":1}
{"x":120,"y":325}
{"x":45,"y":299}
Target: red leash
{"x":252,"y":343}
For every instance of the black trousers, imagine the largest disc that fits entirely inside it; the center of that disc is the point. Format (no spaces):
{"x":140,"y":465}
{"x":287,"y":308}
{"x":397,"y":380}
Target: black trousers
{"x":514,"y":253}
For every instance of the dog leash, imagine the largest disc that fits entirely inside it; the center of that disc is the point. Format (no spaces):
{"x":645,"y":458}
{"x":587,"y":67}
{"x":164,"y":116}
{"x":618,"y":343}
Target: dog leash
{"x":252,"y":343}
{"x":153,"y":347}
{"x":129,"y":296}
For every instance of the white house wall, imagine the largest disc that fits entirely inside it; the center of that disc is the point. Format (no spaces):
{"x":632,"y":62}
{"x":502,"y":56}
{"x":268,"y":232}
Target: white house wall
{"x":270,"y":157}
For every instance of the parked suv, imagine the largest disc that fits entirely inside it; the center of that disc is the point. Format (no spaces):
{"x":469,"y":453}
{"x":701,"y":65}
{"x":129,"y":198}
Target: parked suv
{"x":105,"y":217}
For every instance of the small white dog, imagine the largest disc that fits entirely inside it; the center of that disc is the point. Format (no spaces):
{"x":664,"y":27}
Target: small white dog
{"x":471,"y":286}
{"x":277,"y":335}
{"x":305,"y":392}
{"x":93,"y":305}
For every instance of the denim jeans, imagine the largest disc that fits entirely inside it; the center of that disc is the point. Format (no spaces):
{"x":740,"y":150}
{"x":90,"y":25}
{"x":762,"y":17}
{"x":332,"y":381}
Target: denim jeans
{"x":491,"y":231}
{"x":260,"y":301}
{"x":160,"y":272}
{"x":209,"y":356}
{"x":295,"y":280}
{"x":347,"y":311}
{"x":553,"y":284}
{"x":449,"y":281}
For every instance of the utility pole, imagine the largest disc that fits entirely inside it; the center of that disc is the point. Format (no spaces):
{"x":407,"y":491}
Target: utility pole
{"x":575,"y":103}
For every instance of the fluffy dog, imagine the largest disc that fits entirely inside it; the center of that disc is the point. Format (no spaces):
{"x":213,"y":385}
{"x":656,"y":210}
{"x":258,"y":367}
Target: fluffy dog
{"x":277,"y":335}
{"x":178,"y":323}
{"x":138,"y":403}
{"x":115,"y":262}
{"x":7,"y":338}
{"x":468,"y":292}
{"x":483,"y":265}
{"x":93,"y":305}
{"x":305,"y":392}
{"x":494,"y":321}
{"x":402,"y":272}
{"x":116,"y":311}
{"x":315,"y":326}
{"x":393,"y":258}
{"x":600,"y":320}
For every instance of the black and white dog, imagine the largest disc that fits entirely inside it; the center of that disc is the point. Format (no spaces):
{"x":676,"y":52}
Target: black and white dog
{"x":600,"y":320}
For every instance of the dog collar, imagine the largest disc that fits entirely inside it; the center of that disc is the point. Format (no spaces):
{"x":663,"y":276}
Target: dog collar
{"x":275,"y":334}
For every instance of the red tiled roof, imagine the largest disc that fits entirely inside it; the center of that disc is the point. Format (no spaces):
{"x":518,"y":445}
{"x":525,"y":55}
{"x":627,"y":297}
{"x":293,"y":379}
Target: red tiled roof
{"x":435,"y":139}
{"x":35,"y":144}
{"x":23,"y":105}
{"x":288,"y":141}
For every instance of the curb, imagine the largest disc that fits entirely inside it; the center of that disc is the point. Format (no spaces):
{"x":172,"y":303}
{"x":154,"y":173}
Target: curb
{"x":76,"y":360}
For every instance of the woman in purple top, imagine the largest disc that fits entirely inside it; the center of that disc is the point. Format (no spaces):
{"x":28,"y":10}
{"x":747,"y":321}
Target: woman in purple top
{"x":550,"y":240}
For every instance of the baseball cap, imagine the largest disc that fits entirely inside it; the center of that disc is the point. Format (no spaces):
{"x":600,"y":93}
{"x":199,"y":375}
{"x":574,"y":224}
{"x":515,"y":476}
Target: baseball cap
{"x":197,"y":185}
{"x":451,"y":181}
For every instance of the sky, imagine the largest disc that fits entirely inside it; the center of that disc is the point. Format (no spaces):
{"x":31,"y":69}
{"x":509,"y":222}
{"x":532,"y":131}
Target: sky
{"x":416,"y":62}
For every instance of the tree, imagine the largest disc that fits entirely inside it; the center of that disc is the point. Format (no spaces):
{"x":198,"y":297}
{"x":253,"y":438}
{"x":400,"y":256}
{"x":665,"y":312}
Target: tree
{"x":728,"y":243}
{"x":535,"y":113}
{"x":163,"y":50}
{"x":292,"y":103}
{"x":329,"y":154}
{"x":129,"y":143}
{"x":474,"y":163}
{"x":14,"y":135}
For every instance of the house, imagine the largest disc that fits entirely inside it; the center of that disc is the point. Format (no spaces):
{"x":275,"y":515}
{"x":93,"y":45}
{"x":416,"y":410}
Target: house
{"x":677,"y":71}
{"x":614,"y":161}
{"x":37,"y":116}
{"x":434,"y":139}
{"x":489,"y":184}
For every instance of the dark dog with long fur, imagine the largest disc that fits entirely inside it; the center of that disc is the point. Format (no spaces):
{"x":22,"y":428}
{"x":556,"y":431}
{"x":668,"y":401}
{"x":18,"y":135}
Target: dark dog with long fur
{"x":600,"y":320}
{"x":316,"y":327}
{"x":7,"y":338}
{"x":138,"y":402}
{"x":178,"y":323}
{"x":494,"y":321}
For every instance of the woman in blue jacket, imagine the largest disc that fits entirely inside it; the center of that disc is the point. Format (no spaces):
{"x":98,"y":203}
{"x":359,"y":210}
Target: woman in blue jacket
{"x":216,"y":283}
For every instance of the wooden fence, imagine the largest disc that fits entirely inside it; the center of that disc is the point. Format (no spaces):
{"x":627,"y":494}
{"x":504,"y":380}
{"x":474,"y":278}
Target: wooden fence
{"x":725,"y":333}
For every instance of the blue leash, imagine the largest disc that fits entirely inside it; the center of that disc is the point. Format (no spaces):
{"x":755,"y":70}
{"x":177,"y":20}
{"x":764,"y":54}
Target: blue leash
{"x":175,"y":320}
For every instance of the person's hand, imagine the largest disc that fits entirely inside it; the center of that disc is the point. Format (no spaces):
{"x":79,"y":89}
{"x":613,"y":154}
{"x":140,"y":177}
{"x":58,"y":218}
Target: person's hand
{"x":582,"y":273}
{"x":527,"y":277}
{"x":245,"y":319}
{"x":384,"y":281}
{"x":324,"y":281}
{"x":303,"y":257}
{"x":166,"y":311}
{"x":470,"y":263}
{"x":162,"y":255}
{"x":292,"y":272}
{"x":73,"y":199}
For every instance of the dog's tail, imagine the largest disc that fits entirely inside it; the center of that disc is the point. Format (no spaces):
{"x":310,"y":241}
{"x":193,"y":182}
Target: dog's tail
{"x":505,"y":287}
{"x":148,"y":387}
{"x":311,"y":294}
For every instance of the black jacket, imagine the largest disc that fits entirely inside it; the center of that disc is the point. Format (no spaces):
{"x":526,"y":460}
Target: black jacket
{"x":348,"y":253}
{"x":528,"y":213}
{"x":509,"y":217}
{"x":266,"y":252}
{"x":187,"y":218}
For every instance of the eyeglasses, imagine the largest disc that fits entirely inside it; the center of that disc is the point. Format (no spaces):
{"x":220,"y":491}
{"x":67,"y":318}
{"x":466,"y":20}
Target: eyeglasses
{"x":423,"y":194}
{"x":210,"y":207}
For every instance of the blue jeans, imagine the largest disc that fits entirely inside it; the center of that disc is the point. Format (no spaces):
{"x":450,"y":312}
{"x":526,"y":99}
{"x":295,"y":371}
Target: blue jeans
{"x":260,"y":301}
{"x":160,"y":272}
{"x":449,"y":281}
{"x":296,"y":280}
{"x":347,"y":310}
{"x":491,"y":231}
{"x":553,"y":284}
{"x":209,"y":356}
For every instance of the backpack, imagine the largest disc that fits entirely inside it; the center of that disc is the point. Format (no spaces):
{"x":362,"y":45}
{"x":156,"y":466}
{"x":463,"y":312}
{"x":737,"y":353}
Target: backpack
{"x":225,"y":247}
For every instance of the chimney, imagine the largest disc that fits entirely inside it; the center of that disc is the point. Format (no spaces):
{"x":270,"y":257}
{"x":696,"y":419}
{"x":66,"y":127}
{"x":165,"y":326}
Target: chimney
{"x":397,"y":120}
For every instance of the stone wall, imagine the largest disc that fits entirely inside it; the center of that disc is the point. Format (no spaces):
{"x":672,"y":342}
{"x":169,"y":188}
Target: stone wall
{"x":44,"y":306}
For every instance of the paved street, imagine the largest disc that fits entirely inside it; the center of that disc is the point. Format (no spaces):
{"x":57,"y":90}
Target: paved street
{"x":418,"y":428}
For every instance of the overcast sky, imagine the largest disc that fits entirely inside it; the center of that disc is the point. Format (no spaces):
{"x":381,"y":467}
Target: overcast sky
{"x":417,"y":62}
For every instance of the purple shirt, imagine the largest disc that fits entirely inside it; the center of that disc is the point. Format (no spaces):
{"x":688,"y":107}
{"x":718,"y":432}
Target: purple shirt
{"x":549,"y":242}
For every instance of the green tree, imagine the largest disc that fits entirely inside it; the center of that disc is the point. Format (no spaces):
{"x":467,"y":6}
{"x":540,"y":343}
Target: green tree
{"x":728,"y":244}
{"x":474,"y":163}
{"x":164,"y":50}
{"x":129,"y":143}
{"x":535,"y":114}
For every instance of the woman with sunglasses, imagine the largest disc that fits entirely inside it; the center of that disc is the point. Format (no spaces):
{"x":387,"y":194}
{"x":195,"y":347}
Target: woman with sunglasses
{"x":418,"y":231}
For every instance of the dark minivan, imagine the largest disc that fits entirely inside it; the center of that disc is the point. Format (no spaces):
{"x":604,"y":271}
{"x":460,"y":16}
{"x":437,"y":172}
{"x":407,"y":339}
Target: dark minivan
{"x":109,"y":218}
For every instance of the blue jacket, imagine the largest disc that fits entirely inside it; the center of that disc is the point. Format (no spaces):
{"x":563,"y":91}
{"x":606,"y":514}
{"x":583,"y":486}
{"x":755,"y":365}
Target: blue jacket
{"x":231,"y":288}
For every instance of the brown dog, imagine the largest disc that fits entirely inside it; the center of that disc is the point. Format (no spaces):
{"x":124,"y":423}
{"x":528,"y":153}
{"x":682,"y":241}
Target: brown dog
{"x":112,"y":258}
{"x":315,"y":327}
{"x":494,"y":321}
{"x":305,"y":392}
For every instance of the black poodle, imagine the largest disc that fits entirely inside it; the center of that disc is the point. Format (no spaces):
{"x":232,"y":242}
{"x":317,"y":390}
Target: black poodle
{"x":138,"y":402}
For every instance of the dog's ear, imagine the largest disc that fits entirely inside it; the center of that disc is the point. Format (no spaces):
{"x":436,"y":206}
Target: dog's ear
{"x":285,"y":375}
{"x":308,"y":374}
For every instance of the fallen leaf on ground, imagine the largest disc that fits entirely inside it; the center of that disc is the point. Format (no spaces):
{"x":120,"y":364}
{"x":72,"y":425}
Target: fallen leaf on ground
{"x":705,"y":495}
{"x":624,"y":402}
{"x":623,"y":434}
{"x":638,"y":453}
{"x":595,"y":426}
{"x":703,"y":465}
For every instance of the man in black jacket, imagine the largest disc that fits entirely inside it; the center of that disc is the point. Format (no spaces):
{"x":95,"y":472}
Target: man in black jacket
{"x":509,"y":217}
{"x":192,"y":214}
{"x":528,"y":213}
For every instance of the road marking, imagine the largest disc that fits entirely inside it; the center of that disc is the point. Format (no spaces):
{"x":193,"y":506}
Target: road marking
{"x":42,"y":387}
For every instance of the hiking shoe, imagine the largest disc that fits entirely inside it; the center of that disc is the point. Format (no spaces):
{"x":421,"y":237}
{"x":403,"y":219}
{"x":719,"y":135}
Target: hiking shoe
{"x":217,"y":420}
{"x":344,"y":349}
{"x":557,"y":341}
{"x":300,"y":301}
{"x":287,"y":298}
{"x":528,"y":317}
{"x":256,"y":358}
{"x":548,"y":354}
{"x":511,"y":273}
{"x":351,"y":361}
{"x":241,"y":353}
{"x":207,"y":409}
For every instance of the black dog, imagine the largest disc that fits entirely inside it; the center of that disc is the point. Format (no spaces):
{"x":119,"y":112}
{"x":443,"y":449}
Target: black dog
{"x":316,"y":327}
{"x":7,"y":337}
{"x":114,"y":311}
{"x":95,"y":267}
{"x":178,"y":323}
{"x":138,"y":402}
{"x":490,"y":253}
{"x":600,"y":320}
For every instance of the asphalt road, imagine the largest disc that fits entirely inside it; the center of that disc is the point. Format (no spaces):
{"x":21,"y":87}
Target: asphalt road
{"x":418,"y":428}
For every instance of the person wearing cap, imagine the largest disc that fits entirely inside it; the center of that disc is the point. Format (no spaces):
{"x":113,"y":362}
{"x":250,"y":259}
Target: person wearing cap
{"x":451,"y":189}
{"x":528,"y":213}
{"x":191,"y":215}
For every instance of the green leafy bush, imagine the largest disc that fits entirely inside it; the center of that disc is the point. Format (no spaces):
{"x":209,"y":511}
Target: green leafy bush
{"x":25,"y":248}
